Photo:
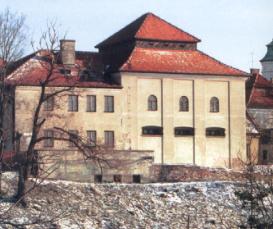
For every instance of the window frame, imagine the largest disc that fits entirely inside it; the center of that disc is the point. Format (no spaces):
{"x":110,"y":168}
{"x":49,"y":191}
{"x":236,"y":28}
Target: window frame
{"x":184,"y":104}
{"x":107,"y":142}
{"x":109,"y":104}
{"x":152,"y":131}
{"x":48,"y":143}
{"x":215,"y":132}
{"x":152,"y":103}
{"x":49,"y":102}
{"x":73,"y":105}
{"x":71,"y":133}
{"x":214,"y":105}
{"x":91,"y":103}
{"x":89,"y":134}
{"x":183,"y":131}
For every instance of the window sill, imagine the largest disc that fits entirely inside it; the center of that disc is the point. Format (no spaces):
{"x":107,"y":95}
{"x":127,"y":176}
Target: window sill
{"x":152,"y":135}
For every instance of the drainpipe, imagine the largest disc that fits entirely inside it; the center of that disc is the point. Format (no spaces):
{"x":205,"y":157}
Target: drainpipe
{"x":193,"y":123}
{"x":162,"y":123}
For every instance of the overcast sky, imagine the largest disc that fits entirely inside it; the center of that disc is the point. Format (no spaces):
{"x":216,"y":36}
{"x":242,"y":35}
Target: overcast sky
{"x":232,"y":31}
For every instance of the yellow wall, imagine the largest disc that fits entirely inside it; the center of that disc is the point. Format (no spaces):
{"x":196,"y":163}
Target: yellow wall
{"x":131,"y":114}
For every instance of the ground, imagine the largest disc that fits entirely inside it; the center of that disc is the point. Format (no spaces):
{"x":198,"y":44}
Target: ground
{"x":63,"y":204}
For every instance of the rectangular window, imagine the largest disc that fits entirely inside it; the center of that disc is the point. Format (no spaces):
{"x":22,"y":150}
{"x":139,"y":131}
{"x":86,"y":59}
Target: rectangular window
{"x":91,"y":137}
{"x":117,"y":178}
{"x":49,"y":142}
{"x":48,"y":103}
{"x":72,"y":103}
{"x":73,"y":136}
{"x":109,"y":138}
{"x":98,"y":178}
{"x":91,"y":103}
{"x":108,"y":103}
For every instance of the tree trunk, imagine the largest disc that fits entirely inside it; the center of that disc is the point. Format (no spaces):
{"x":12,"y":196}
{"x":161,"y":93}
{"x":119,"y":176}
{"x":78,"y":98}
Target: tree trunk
{"x":21,"y":185}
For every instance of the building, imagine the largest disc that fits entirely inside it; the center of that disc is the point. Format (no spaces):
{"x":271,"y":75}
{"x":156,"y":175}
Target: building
{"x":147,"y":90}
{"x":267,"y":62}
{"x":259,"y":95}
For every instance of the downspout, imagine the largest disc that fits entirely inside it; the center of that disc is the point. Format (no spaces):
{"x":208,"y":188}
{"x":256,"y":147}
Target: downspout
{"x":193,"y":123}
{"x":162,"y":123}
{"x":229,"y":134}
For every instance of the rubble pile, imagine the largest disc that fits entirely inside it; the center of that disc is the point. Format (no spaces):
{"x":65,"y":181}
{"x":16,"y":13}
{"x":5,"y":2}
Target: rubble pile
{"x":63,"y":204}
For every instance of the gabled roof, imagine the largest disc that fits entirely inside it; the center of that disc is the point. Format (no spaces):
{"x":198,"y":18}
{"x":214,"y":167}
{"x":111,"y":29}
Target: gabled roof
{"x":36,"y":68}
{"x":149,"y":27}
{"x":260,"y":95}
{"x":155,"y":60}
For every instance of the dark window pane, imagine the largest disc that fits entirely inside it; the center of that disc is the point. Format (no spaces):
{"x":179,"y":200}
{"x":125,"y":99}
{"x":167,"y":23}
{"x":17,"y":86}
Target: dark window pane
{"x":117,"y":178}
{"x":91,"y":103}
{"x":109,"y":138}
{"x":215,"y":131}
{"x":152,"y":130}
{"x":73,"y":136}
{"x":184,"y":131}
{"x":214,"y":104}
{"x":98,"y":178}
{"x":91,"y":137}
{"x":109,"y":103}
{"x":136,"y":178}
{"x":72,"y":103}
{"x":48,"y":103}
{"x":152,"y":103}
{"x":184,"y":104}
{"x":49,"y":142}
{"x":265,"y":153}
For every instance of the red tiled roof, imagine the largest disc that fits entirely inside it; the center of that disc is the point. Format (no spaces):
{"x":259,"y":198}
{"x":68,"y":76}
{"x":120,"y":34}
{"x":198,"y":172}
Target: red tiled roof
{"x":176,"y":61}
{"x":36,"y":69}
{"x":149,"y":27}
{"x":260,"y":95}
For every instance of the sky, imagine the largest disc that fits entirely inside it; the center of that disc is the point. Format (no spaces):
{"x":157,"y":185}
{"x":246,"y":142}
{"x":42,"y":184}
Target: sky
{"x":232,"y":31}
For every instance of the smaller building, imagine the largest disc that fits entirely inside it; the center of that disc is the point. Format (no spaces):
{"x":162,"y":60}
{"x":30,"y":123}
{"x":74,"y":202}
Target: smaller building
{"x":259,"y":95}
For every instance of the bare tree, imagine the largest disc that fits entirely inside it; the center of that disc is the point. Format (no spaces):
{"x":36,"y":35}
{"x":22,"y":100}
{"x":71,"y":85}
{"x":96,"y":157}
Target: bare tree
{"x":12,"y":40}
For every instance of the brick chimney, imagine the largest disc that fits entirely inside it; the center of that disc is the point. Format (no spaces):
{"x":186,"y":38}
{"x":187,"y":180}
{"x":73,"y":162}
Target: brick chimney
{"x":254,"y":71}
{"x":67,"y":52}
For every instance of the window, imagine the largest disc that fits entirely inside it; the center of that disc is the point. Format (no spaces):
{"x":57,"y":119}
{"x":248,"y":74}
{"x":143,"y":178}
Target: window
{"x":215,"y":131}
{"x":49,"y":142}
{"x":184,"y":103}
{"x":152,"y":130}
{"x":73,"y":136}
{"x":117,"y":178}
{"x":72,"y":103}
{"x":183,"y":131}
{"x":91,"y":103}
{"x":48,"y":103}
{"x":265,"y":154}
{"x":98,"y":178}
{"x":152,"y":103}
{"x":91,"y":137}
{"x":109,"y":139}
{"x":136,"y":178}
{"x":108,"y":103}
{"x":214,"y":105}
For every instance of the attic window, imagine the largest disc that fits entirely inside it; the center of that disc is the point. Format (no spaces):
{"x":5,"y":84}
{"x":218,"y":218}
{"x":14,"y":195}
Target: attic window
{"x":215,"y":131}
{"x":87,"y":75}
{"x":65,"y":71}
{"x":152,"y":130}
{"x":183,"y":131}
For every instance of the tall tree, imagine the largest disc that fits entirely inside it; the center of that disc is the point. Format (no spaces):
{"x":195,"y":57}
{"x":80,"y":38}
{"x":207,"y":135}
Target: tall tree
{"x":12,"y":40}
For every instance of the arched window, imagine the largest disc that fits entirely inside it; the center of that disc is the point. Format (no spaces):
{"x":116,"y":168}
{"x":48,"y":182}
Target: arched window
{"x":184,"y":103}
{"x":152,"y":103}
{"x":214,"y":104}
